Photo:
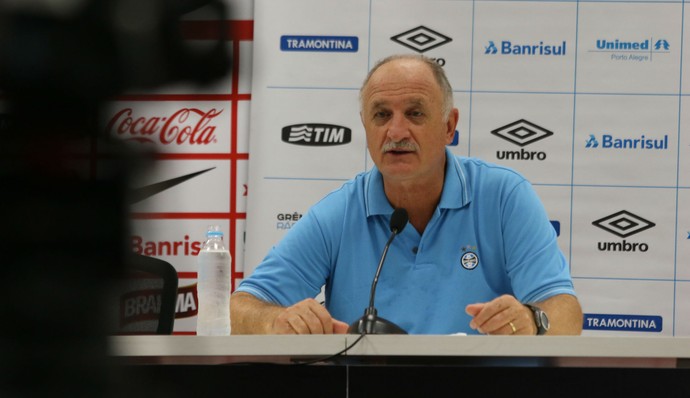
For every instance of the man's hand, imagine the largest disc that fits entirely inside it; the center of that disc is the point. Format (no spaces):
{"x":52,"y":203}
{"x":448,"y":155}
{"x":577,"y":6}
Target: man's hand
{"x":249,"y":315}
{"x":502,"y":315}
{"x":307,"y":317}
{"x":506,"y":315}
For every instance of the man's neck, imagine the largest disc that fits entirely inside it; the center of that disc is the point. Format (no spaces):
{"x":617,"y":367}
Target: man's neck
{"x":419,"y":199}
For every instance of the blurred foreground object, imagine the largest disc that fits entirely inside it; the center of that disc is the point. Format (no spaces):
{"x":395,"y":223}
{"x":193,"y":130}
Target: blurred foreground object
{"x":64,"y":235}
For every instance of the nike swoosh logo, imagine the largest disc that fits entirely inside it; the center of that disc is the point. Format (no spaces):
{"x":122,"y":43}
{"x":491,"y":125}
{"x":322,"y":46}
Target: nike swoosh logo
{"x":139,"y":194}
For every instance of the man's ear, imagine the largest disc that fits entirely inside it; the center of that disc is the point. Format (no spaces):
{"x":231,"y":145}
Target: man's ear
{"x":452,"y":124}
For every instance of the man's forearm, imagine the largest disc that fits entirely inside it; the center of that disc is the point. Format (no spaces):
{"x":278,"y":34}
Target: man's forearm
{"x":249,"y":315}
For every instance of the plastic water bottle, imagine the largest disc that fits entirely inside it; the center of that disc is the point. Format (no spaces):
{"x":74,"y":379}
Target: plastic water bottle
{"x":213,"y":286}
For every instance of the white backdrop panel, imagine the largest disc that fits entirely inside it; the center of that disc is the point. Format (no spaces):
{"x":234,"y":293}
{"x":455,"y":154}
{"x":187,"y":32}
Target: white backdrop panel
{"x":601,"y":81}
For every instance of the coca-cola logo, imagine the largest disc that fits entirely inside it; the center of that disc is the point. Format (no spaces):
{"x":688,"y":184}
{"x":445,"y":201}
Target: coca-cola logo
{"x":186,"y":126}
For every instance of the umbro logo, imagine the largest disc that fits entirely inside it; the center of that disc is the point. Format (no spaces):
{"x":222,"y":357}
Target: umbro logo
{"x":623,"y":224}
{"x":421,"y":39}
{"x":522,"y":132}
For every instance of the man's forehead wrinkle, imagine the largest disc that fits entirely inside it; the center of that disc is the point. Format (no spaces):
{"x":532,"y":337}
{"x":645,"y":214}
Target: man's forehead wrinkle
{"x":381,"y":95}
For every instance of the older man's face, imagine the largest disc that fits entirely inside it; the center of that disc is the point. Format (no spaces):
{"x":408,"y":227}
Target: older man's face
{"x":404,"y":122}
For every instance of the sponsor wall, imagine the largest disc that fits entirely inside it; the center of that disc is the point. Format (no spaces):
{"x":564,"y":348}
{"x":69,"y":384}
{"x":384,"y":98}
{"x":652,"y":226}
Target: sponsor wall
{"x":587,"y":99}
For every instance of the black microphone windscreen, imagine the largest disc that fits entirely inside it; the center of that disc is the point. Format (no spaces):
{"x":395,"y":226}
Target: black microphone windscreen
{"x":398,"y":220}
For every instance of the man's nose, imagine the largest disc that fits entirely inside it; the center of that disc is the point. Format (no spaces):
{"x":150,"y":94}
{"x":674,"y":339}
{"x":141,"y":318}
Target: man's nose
{"x":397,"y":128}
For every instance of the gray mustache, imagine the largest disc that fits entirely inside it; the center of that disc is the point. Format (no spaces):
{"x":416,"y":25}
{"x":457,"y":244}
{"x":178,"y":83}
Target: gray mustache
{"x":399,"y":146}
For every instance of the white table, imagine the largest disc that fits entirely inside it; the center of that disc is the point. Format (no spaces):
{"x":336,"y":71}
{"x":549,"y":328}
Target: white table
{"x":579,"y":351}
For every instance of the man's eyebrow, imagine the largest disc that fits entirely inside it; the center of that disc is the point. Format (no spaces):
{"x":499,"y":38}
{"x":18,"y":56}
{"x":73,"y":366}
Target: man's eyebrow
{"x":378,"y":104}
{"x":383,"y":104}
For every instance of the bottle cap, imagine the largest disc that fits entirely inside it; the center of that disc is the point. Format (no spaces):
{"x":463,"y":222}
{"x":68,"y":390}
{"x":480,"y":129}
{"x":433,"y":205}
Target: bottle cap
{"x":214,"y":230}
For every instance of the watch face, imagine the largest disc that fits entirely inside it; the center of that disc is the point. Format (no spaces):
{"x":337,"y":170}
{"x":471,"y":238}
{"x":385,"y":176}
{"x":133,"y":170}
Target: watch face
{"x":544,"y":320}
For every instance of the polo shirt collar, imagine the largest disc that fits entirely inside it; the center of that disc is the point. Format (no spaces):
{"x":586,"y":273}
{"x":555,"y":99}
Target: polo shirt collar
{"x":454,"y":196}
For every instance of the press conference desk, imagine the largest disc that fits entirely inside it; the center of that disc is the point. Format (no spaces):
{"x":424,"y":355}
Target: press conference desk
{"x":558,"y":350}
{"x":635,"y":364}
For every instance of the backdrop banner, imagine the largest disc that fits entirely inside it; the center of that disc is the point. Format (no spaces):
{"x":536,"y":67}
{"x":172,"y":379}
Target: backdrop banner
{"x":586,"y":99}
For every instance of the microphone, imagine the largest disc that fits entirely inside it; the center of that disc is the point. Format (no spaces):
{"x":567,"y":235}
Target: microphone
{"x":371,"y":323}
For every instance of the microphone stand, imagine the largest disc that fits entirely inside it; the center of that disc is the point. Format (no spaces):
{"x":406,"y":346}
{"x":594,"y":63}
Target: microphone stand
{"x":371,"y":323}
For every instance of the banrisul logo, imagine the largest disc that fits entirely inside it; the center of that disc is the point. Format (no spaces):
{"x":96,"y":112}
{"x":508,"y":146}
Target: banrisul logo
{"x":508,"y":47}
{"x":642,"y":50}
{"x":641,"y":142}
{"x":337,"y":44}
{"x":623,"y":224}
{"x":316,"y":134}
{"x":521,"y":133}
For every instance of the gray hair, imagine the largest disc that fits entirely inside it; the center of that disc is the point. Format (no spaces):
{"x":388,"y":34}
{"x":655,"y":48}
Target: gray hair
{"x":436,"y":69}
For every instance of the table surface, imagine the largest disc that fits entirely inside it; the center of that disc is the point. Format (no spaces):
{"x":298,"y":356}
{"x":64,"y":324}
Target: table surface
{"x":560,"y":350}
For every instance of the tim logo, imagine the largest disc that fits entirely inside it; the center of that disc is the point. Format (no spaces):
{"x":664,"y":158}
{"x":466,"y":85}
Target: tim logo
{"x":421,"y":39}
{"x":313,"y":134}
{"x":521,"y":133}
{"x":623,"y":224}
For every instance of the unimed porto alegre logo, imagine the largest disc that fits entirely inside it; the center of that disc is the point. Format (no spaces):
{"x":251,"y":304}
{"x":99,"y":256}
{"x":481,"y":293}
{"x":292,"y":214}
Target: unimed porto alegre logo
{"x":623,"y":224}
{"x":521,"y":133}
{"x":316,"y":134}
{"x":619,"y":49}
{"x":190,"y":126}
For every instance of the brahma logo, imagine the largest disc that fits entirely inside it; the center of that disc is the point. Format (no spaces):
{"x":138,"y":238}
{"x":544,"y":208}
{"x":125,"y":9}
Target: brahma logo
{"x":506,"y":47}
{"x":140,"y":305}
{"x":187,"y":304}
{"x":145,"y":304}
{"x":521,"y":133}
{"x":338,"y":44}
{"x":634,"y":51}
{"x":623,"y":224}
{"x":316,"y":134}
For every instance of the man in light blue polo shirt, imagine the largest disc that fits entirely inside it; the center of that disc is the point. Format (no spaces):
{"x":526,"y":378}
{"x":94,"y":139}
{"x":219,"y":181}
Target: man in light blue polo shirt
{"x":479,"y":254}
